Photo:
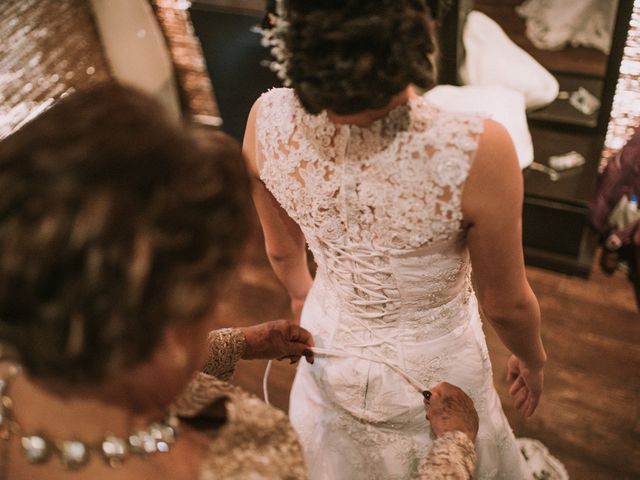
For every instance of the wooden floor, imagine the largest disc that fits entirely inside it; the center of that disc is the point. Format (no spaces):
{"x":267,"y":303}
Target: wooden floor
{"x":590,"y":414}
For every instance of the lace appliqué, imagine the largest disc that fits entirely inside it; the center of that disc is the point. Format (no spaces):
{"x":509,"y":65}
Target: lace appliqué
{"x":396,"y":183}
{"x":226,"y":348}
{"x":373,"y":442}
{"x":452,"y":457}
{"x":366,"y":196}
{"x":256,"y":442}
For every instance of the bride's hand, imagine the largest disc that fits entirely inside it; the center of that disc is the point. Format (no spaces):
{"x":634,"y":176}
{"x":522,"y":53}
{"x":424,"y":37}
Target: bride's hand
{"x":526,"y":386}
{"x":278,"y":339}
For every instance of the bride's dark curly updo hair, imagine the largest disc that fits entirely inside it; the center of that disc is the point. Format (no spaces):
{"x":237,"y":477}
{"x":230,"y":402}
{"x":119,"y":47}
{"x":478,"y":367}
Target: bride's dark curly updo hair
{"x":353,"y":55}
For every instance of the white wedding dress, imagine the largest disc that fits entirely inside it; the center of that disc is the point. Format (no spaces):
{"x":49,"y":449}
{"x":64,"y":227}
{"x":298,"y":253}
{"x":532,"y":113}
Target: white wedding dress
{"x":380,"y":209}
{"x":554,"y":24}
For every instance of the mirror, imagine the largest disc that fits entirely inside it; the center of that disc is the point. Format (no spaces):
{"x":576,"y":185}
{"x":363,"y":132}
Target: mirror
{"x":572,"y":40}
{"x":572,"y":124}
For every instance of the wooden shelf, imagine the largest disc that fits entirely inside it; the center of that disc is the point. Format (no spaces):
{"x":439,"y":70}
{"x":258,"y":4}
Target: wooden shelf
{"x":560,"y":111}
{"x":575,"y":186}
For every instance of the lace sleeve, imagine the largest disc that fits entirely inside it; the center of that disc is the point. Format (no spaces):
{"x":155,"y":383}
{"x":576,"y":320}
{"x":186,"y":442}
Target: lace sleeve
{"x":452,"y":457}
{"x":226,"y":348}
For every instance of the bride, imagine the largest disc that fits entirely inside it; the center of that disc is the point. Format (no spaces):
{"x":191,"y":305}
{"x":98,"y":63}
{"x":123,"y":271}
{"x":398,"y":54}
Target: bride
{"x":398,"y":201}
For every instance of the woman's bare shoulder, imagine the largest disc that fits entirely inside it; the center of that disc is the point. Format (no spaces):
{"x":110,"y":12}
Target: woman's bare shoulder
{"x":495,"y":178}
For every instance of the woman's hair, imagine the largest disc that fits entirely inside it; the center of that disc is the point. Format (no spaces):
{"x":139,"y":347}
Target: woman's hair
{"x":352,"y":55}
{"x":115,"y":223}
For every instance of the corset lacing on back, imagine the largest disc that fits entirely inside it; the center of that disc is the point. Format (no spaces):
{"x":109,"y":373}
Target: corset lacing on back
{"x":366,"y":197}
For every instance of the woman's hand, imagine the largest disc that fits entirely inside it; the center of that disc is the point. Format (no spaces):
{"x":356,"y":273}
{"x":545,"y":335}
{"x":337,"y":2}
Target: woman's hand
{"x":278,"y":339}
{"x":526,"y":387}
{"x":450,"y":409}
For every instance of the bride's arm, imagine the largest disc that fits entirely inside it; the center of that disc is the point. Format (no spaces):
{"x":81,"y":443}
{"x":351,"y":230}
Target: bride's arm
{"x":492,"y":210}
{"x":284,"y":241}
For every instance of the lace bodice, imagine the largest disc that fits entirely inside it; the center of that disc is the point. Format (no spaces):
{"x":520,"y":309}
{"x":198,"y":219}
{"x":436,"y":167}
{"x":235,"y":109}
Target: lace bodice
{"x":394,"y":184}
{"x":379,"y":206}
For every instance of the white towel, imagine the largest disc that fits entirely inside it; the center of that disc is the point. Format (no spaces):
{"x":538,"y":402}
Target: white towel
{"x":501,"y":104}
{"x":493,"y":59}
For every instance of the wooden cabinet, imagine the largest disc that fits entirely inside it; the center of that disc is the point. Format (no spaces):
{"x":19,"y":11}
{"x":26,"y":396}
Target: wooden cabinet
{"x":556,"y":233}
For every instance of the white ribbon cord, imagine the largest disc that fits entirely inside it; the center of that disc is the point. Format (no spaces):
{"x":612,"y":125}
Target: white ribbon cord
{"x":339,"y":353}
{"x":419,"y":387}
{"x":265,"y":383}
{"x":360,"y":275}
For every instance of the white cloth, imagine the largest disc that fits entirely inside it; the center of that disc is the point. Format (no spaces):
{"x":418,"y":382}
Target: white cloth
{"x":554,"y":24}
{"x":492,"y":59}
{"x":501,"y":104}
{"x":381,"y":210}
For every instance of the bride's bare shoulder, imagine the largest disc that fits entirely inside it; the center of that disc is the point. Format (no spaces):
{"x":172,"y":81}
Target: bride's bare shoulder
{"x":495,"y":178}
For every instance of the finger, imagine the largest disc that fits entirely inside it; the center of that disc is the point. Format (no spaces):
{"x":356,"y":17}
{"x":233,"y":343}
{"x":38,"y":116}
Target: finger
{"x":521,"y":399}
{"x":295,"y":349}
{"x":437,"y":389}
{"x":299,"y":334}
{"x":294,"y":332}
{"x":305,"y":337}
{"x":436,"y":395}
{"x":533,"y":405}
{"x":517,"y":386}
{"x":308,"y":354}
{"x":522,"y":395}
{"x":291,"y":357}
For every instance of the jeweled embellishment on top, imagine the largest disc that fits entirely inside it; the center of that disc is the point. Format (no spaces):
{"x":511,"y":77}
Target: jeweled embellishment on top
{"x":35,"y":448}
{"x":5,"y":414}
{"x":114,"y":450}
{"x":74,"y":454}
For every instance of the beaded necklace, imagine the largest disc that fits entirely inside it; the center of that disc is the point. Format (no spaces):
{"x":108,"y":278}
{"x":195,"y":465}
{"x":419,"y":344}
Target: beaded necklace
{"x":74,"y":453}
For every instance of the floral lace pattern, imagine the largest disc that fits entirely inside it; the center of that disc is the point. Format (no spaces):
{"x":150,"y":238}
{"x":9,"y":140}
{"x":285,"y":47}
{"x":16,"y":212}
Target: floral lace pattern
{"x":380,"y":208}
{"x":368,"y":185}
{"x":452,"y":457}
{"x":226,"y":348}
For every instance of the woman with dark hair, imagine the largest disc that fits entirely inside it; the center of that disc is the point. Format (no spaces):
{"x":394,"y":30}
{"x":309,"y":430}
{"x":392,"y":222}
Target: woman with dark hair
{"x":118,"y":232}
{"x":397,"y":200}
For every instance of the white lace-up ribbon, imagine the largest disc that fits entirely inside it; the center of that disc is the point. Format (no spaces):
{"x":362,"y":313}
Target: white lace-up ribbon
{"x":329,"y":352}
